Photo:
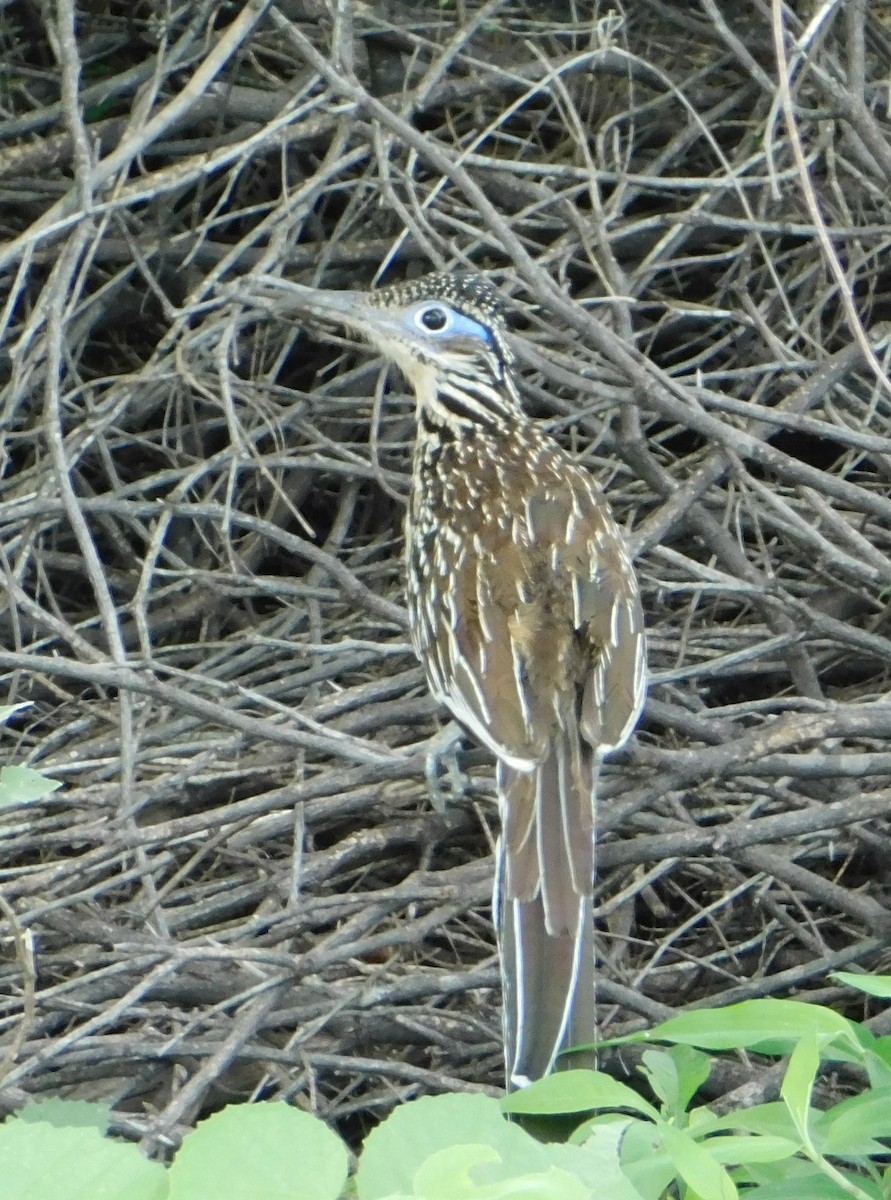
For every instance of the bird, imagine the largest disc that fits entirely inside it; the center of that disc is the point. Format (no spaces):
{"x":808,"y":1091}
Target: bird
{"x":525,"y":613}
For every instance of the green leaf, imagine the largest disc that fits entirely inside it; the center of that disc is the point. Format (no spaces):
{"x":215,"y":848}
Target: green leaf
{"x":698,"y":1169}
{"x":573,"y":1092}
{"x":812,"y":1186}
{"x":395,"y":1151}
{"x":675,"y":1075}
{"x":772,"y":1173}
{"x":694,"y":1068}
{"x":645,"y":1161}
{"x":772,"y":1118}
{"x":268,"y":1150}
{"x":421,"y":1139}
{"x":798,"y":1083}
{"x":872,"y":985}
{"x":874,"y":1055}
{"x":849,"y":1129}
{"x":604,"y":1147}
{"x":446,"y":1175}
{"x":57,"y":1111}
{"x":21,"y":785}
{"x":662,"y":1074}
{"x":39,"y":1161}
{"x":756,"y":1148}
{"x":768,"y":1026}
{"x":878,"y":1059}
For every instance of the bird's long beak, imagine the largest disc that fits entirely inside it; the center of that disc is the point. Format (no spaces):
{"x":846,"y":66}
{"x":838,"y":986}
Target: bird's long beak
{"x":347,"y":309}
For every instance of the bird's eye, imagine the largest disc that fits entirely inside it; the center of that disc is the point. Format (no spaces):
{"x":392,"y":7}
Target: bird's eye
{"x":434,"y":318}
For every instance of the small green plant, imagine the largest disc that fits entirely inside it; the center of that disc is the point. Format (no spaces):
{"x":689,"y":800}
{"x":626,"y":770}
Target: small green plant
{"x":783,"y":1150}
{"x":466,"y":1147}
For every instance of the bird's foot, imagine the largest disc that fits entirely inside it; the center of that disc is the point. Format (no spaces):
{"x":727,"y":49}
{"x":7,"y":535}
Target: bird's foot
{"x":442,"y":772}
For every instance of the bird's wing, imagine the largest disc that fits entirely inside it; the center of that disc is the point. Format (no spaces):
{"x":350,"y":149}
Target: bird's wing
{"x":541,"y":624}
{"x":606,"y":613}
{"x":615,"y":687}
{"x":478,"y":660}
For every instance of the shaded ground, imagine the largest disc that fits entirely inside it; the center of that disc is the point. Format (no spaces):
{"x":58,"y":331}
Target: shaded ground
{"x":243,"y":888}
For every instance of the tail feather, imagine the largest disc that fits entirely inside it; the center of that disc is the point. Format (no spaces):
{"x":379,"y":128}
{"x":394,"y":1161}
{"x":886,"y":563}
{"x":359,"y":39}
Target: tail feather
{"x":543,"y":907}
{"x":548,"y":989}
{"x":575,"y":789}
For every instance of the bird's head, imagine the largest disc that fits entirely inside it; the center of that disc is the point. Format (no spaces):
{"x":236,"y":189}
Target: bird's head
{"x":445,"y":333}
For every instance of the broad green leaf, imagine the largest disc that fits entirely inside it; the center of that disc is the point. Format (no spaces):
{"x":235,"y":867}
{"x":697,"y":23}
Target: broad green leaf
{"x":812,"y":1186}
{"x":768,"y":1026}
{"x":449,"y":1175}
{"x":766,"y":1119}
{"x":576,"y":1091}
{"x":620,"y":1122}
{"x":866,"y":1039}
{"x":755,"y":1148}
{"x":851,"y":1127}
{"x":597,"y":1164}
{"x":875,"y":1055}
{"x":57,"y":1111}
{"x":267,"y":1150}
{"x":662,"y":1074}
{"x":872,"y":985}
{"x":877,"y":1059}
{"x":699,"y":1120}
{"x":783,"y":1171}
{"x":798,"y":1082}
{"x":698,"y":1169}
{"x":400,"y":1145}
{"x":39,"y":1161}
{"x":603,"y":1148}
{"x":675,"y":1075}
{"x":694,"y":1068}
{"x":644,"y":1160}
{"x":396,"y":1157}
{"x":21,"y":785}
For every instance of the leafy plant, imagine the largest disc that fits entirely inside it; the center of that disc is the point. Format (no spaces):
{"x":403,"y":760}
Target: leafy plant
{"x":55,"y":1151}
{"x":467,"y":1147}
{"x":783,"y":1150}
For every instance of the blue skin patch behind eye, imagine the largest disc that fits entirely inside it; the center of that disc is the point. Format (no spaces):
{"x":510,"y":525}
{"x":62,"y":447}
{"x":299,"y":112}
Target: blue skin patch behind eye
{"x":457,"y":323}
{"x":467,"y":327}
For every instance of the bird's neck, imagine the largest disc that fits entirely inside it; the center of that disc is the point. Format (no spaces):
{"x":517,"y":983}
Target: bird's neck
{"x":452,"y":403}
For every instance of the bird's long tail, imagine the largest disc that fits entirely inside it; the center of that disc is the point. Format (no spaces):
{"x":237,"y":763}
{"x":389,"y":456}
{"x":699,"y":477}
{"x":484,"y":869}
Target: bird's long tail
{"x":543,"y":906}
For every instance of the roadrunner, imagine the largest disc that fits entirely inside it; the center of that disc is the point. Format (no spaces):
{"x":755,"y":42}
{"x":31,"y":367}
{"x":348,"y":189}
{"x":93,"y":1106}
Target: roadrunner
{"x":526,"y":616}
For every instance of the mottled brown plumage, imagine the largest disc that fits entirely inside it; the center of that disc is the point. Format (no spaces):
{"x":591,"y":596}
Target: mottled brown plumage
{"x":525,"y":614}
